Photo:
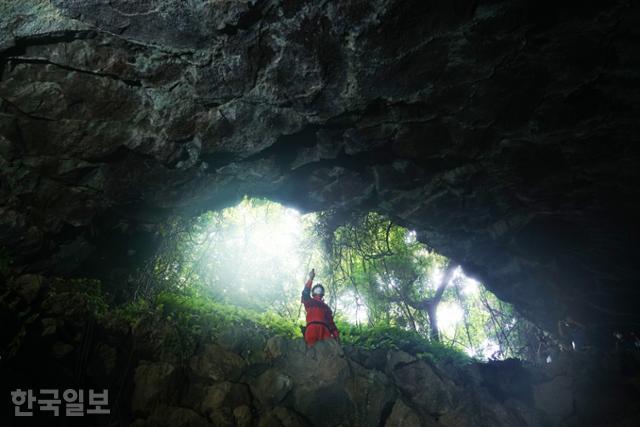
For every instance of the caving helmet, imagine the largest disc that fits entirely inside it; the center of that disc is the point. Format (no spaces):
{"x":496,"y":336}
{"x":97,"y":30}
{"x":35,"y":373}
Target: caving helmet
{"x":317,"y":290}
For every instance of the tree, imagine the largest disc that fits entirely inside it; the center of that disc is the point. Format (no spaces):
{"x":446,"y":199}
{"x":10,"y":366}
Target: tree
{"x":383,"y":263}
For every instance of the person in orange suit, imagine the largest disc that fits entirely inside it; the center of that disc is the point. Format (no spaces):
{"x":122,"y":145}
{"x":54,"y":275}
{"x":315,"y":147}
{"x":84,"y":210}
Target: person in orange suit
{"x":320,"y":325}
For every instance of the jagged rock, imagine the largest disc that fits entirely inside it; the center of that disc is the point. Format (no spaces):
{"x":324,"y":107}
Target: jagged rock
{"x":153,"y":382}
{"x":217,"y":363}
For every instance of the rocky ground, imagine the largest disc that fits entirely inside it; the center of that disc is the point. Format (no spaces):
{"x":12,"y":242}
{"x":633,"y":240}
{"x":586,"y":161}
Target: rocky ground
{"x":242,"y":378}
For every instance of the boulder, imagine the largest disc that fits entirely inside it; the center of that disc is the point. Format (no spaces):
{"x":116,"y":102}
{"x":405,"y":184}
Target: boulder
{"x":217,"y":363}
{"x":28,"y":286}
{"x":245,"y":342}
{"x":372,"y":394}
{"x":420,"y":383}
{"x":271,"y":387}
{"x":555,"y":398}
{"x":224,"y":395}
{"x":61,"y":349}
{"x":243,"y":416}
{"x":403,"y":416}
{"x":276,"y":347}
{"x":320,"y":376}
{"x":153,"y":383}
{"x":172,"y":416}
{"x":369,"y":358}
{"x":324,"y":363}
{"x":282,"y":417}
{"x":49,"y":326}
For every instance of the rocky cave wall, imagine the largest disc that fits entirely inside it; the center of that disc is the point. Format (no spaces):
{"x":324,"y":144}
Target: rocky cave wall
{"x":504,"y":132}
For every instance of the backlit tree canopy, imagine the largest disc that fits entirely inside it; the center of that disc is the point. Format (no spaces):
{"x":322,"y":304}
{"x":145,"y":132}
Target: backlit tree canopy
{"x":256,"y":255}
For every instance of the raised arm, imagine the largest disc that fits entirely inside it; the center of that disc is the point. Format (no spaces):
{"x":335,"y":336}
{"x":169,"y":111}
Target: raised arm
{"x":306,"y":292}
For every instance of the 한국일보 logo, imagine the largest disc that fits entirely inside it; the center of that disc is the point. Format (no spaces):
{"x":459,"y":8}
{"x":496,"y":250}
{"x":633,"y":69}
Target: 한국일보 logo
{"x":26,"y":402}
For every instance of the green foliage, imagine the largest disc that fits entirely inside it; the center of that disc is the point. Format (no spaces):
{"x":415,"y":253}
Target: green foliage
{"x":254,"y":255}
{"x":188,"y":318}
{"x":89,"y":289}
{"x":383,"y":270}
{"x":245,"y":265}
{"x":389,"y":337}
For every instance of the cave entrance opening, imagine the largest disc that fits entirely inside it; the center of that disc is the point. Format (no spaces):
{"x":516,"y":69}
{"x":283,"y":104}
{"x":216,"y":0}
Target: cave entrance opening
{"x":378,"y":275}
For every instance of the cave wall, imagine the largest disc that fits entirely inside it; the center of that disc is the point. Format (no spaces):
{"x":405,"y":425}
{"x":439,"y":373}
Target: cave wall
{"x":505,"y":133}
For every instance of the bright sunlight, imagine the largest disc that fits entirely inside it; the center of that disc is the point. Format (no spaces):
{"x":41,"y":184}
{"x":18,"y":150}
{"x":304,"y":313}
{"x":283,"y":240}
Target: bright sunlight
{"x":257,"y":255}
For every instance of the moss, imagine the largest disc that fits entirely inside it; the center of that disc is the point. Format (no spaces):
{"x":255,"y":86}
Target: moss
{"x":393,"y":338}
{"x":184,"y":319}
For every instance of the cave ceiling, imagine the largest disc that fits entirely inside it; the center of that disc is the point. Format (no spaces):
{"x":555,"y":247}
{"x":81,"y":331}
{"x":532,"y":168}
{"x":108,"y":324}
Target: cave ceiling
{"x":504,"y":132}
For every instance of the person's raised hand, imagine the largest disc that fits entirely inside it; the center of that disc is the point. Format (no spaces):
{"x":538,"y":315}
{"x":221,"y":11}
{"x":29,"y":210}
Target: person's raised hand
{"x":312,"y":274}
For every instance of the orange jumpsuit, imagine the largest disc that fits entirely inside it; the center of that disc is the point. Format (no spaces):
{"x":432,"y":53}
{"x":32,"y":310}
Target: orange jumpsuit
{"x":320,"y":324}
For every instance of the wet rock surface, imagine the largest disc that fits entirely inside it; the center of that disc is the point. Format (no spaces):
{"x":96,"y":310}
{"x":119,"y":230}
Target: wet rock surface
{"x":505,"y":133}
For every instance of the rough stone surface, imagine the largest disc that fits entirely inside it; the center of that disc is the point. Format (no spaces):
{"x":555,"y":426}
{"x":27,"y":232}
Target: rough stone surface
{"x":504,"y":132}
{"x":555,"y":398}
{"x":172,"y":416}
{"x":328,"y":387}
{"x":224,"y":395}
{"x":410,"y":374}
{"x":153,"y":383}
{"x":271,"y":387}
{"x":403,"y":416}
{"x":217,"y":363}
{"x":372,"y":393}
{"x":281,"y":417}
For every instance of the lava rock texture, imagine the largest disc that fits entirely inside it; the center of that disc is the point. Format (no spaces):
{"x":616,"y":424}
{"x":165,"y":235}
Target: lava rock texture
{"x":246,"y":376}
{"x":504,"y":132}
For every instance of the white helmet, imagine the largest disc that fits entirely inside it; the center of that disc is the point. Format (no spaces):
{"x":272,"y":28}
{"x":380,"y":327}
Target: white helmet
{"x":317,"y":290}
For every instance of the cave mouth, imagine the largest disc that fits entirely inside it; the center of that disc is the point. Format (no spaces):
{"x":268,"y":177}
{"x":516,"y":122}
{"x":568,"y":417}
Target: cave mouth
{"x":256,"y":255}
